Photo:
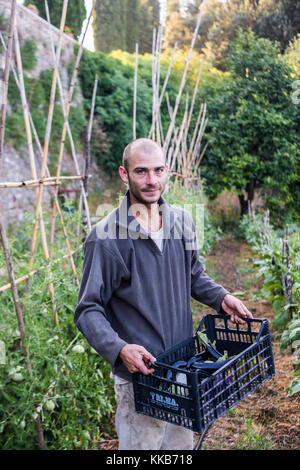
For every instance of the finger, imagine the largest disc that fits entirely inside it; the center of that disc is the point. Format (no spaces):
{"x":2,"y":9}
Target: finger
{"x":149,"y":356}
{"x":248,"y":313}
{"x":236,"y":319}
{"x":142,"y":366}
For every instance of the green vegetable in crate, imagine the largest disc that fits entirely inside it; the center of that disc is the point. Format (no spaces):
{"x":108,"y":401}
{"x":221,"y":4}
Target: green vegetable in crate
{"x":203,"y":339}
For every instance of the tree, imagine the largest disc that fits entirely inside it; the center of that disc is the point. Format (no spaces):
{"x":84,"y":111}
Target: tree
{"x":277,"y":20}
{"x":132,"y":17}
{"x":109,"y":25}
{"x":123,"y":23}
{"x":253,"y":127}
{"x":149,"y":19}
{"x":175,"y":27}
{"x":76,"y":13}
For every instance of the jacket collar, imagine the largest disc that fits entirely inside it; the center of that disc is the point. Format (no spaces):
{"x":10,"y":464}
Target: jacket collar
{"x":126,"y":220}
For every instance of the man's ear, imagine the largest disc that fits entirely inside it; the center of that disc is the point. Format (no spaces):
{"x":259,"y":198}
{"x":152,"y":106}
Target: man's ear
{"x":123,"y":174}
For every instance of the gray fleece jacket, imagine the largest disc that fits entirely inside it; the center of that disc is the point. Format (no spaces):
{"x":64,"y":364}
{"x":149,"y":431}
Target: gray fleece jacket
{"x":132,"y":292}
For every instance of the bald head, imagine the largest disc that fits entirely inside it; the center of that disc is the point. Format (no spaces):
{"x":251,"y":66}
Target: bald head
{"x":142,"y":145}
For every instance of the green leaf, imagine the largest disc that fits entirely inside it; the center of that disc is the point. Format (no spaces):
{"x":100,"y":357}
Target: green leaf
{"x":277,"y":306}
{"x":280,"y":320}
{"x":295,"y":334}
{"x":294,"y":387}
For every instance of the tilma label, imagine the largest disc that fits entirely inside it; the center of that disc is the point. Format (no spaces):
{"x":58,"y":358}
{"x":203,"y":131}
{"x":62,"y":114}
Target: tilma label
{"x":168,"y":402}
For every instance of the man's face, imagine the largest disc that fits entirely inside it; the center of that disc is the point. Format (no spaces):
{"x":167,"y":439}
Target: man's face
{"x":146,"y":176}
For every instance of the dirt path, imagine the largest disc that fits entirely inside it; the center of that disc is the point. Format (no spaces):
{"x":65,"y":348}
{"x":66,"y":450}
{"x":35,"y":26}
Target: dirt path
{"x":266,"y":419}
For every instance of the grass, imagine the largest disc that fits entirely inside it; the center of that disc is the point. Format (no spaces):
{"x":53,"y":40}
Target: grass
{"x":252,"y":439}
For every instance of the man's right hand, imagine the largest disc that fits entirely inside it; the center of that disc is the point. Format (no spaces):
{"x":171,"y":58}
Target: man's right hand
{"x":132,"y":357}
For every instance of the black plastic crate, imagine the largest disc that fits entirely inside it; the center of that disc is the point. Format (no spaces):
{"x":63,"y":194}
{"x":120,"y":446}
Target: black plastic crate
{"x":195,"y":399}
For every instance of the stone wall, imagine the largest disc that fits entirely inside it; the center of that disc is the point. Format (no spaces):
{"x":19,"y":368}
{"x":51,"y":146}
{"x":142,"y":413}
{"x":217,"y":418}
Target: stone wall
{"x":16,"y":165}
{"x":32,"y":26}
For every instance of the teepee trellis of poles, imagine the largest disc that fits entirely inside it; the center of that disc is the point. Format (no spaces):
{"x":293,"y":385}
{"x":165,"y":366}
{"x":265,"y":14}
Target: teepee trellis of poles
{"x":183,"y":153}
{"x":37,"y":183}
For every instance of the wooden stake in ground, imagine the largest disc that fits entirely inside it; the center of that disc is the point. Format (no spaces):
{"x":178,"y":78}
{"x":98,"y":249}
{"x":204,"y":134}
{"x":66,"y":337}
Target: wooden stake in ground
{"x":183,"y":80}
{"x":62,"y":102}
{"x":48,"y":131}
{"x":288,"y":274}
{"x":32,"y":160}
{"x":20,"y":319}
{"x":135,"y":89}
{"x":49,"y":181}
{"x":283,"y":276}
{"x":6,"y":77}
{"x":66,"y":116}
{"x":164,"y":90}
{"x":88,"y":134}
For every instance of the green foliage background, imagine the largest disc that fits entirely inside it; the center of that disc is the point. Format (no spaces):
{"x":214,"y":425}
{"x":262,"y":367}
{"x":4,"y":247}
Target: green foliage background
{"x":76,"y":13}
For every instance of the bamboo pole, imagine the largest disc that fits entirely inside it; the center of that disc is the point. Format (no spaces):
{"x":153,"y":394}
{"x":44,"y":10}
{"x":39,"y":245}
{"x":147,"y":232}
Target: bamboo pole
{"x":157,"y":112}
{"x":62,"y":102}
{"x":267,"y":227}
{"x":88,"y":149}
{"x":153,"y":80}
{"x":183,"y":80}
{"x":170,"y":109}
{"x":165,"y":85}
{"x":34,"y":173}
{"x":66,"y":116}
{"x":48,"y":131}
{"x":36,"y":182}
{"x":32,"y":161}
{"x":48,"y":254}
{"x":193,"y":101}
{"x":135,"y":89}
{"x":29,"y":114}
{"x":288,"y":274}
{"x":21,"y":324}
{"x":283,"y":277}
{"x":181,"y":133}
{"x":46,"y":181}
{"x":194,"y":138}
{"x":196,"y":149}
{"x":28,"y":133}
{"x":156,"y":109}
{"x":8,"y":56}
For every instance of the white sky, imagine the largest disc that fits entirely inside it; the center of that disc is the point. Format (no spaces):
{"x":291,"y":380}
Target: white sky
{"x":89,"y":37}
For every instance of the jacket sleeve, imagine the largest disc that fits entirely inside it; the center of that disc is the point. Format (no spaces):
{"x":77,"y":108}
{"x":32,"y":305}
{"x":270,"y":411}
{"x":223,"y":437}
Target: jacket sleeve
{"x":101,"y":274}
{"x":203,"y":288}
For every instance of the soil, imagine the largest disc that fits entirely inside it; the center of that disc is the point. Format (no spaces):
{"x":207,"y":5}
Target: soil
{"x":267,"y":418}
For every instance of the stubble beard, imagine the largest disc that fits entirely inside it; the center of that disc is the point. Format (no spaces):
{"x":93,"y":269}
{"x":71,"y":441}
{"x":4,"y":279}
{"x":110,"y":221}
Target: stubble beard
{"x":137,"y":193}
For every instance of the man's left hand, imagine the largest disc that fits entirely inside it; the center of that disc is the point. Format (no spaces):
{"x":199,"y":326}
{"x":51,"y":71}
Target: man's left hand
{"x":235,"y":308}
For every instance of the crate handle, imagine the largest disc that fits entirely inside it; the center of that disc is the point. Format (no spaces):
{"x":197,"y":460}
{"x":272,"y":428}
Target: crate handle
{"x":225,"y":317}
{"x":264,"y":326}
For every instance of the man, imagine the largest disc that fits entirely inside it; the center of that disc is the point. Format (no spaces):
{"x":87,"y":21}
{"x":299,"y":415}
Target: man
{"x":141,"y":268}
